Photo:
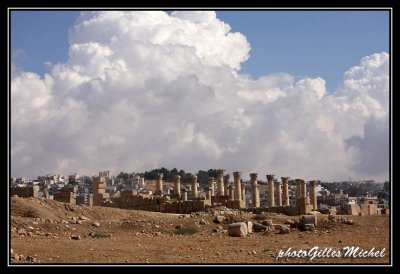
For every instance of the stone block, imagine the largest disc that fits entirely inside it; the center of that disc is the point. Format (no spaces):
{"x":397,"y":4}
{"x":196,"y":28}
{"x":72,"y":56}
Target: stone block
{"x":237,"y":229}
{"x":249,"y":227}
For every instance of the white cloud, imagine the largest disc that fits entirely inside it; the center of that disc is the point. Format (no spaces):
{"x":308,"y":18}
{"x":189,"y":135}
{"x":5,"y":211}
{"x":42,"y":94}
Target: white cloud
{"x":146,"y":89}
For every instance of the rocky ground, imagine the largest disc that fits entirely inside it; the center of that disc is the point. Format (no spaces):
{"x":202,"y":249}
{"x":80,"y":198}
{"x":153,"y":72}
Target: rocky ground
{"x":49,"y":232}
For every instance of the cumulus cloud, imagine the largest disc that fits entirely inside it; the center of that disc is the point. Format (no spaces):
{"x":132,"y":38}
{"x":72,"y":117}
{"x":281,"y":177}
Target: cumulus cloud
{"x":145,"y":89}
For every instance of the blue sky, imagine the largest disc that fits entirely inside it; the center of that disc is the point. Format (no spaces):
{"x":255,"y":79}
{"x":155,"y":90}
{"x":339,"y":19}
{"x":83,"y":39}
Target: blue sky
{"x":302,"y":43}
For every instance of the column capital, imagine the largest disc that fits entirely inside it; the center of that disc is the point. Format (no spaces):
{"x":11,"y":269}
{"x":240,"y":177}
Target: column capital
{"x":270,"y":177}
{"x":313,"y":182}
{"x":254,"y":176}
{"x":159,"y":176}
{"x":236,"y":174}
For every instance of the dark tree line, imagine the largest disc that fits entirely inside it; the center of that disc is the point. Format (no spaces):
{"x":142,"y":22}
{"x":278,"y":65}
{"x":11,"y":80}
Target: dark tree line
{"x":202,"y":176}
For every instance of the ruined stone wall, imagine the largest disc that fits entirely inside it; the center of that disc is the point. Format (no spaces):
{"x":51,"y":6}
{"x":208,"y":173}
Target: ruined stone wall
{"x":129,"y":200}
{"x":361,"y":210}
{"x":99,"y":191}
{"x":25,"y":192}
{"x":66,"y":195}
{"x":219,"y":199}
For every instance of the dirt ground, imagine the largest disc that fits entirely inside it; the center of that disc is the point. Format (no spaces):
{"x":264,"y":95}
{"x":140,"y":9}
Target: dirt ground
{"x":41,"y":233}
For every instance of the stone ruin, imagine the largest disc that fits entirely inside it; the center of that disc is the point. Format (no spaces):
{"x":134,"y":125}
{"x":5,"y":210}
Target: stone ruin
{"x":99,"y":191}
{"x":67,"y":195}
{"x":230,"y":195}
{"x":25,"y":192}
{"x":362,"y":209}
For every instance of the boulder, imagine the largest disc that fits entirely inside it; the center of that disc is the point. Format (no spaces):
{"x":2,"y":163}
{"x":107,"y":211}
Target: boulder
{"x":267,"y":222}
{"x":219,"y":219}
{"x":350,"y":222}
{"x":308,"y":219}
{"x":96,"y":224}
{"x":291,"y":223}
{"x":75,"y":237}
{"x":270,"y":229}
{"x":237,"y":229}
{"x":332,"y":217}
{"x":203,"y":222}
{"x":260,"y":217}
{"x":284,"y":229}
{"x":314,"y":213}
{"x":257,"y":227}
{"x":308,"y":227}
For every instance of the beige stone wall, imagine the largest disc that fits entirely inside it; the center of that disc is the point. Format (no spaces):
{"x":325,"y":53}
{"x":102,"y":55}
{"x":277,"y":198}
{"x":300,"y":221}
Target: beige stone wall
{"x":362,"y":209}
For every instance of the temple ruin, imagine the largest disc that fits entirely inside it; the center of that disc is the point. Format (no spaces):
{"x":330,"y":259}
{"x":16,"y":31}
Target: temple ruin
{"x":218,"y":192}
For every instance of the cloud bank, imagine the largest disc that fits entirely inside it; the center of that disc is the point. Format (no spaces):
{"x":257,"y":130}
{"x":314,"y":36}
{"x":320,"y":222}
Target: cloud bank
{"x":148,"y":89}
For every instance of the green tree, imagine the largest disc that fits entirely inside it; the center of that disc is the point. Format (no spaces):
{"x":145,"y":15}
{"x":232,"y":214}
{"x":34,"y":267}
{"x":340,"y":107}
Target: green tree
{"x":226,"y":177}
{"x":123,"y":175}
{"x":202,"y":177}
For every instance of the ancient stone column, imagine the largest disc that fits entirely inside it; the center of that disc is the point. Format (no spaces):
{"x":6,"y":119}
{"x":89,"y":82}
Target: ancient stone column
{"x":159,"y":183}
{"x":231,"y":192}
{"x":298,"y":188}
{"x":208,"y":193}
{"x":226,"y":187}
{"x":46,"y":192}
{"x":211,"y":185}
{"x":238,"y":188}
{"x":184,"y":194}
{"x":244,"y":194}
{"x":314,"y":194}
{"x":220,"y":182}
{"x":90,"y":200}
{"x":255,"y":191}
{"x":271,"y":194}
{"x":285,"y":194}
{"x":298,"y":191}
{"x":278,"y":193}
{"x":177,"y":185}
{"x":303,"y":189}
{"x":194,"y":186}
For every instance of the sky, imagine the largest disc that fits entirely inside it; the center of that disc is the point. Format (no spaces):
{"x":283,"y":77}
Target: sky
{"x":295,"y":93}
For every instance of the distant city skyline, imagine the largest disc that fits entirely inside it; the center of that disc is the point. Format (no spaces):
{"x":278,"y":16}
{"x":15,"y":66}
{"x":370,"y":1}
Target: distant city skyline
{"x":295,"y":93}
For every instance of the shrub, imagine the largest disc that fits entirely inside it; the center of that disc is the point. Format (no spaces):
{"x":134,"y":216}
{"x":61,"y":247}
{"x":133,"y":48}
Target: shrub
{"x":99,"y":235}
{"x":185,"y":230}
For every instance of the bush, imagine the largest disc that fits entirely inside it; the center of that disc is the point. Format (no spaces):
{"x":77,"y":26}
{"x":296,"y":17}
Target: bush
{"x":99,"y":235}
{"x":185,"y":230}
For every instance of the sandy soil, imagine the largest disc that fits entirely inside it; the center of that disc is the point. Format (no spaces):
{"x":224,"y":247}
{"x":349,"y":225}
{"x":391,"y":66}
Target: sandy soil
{"x":40,"y":232}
